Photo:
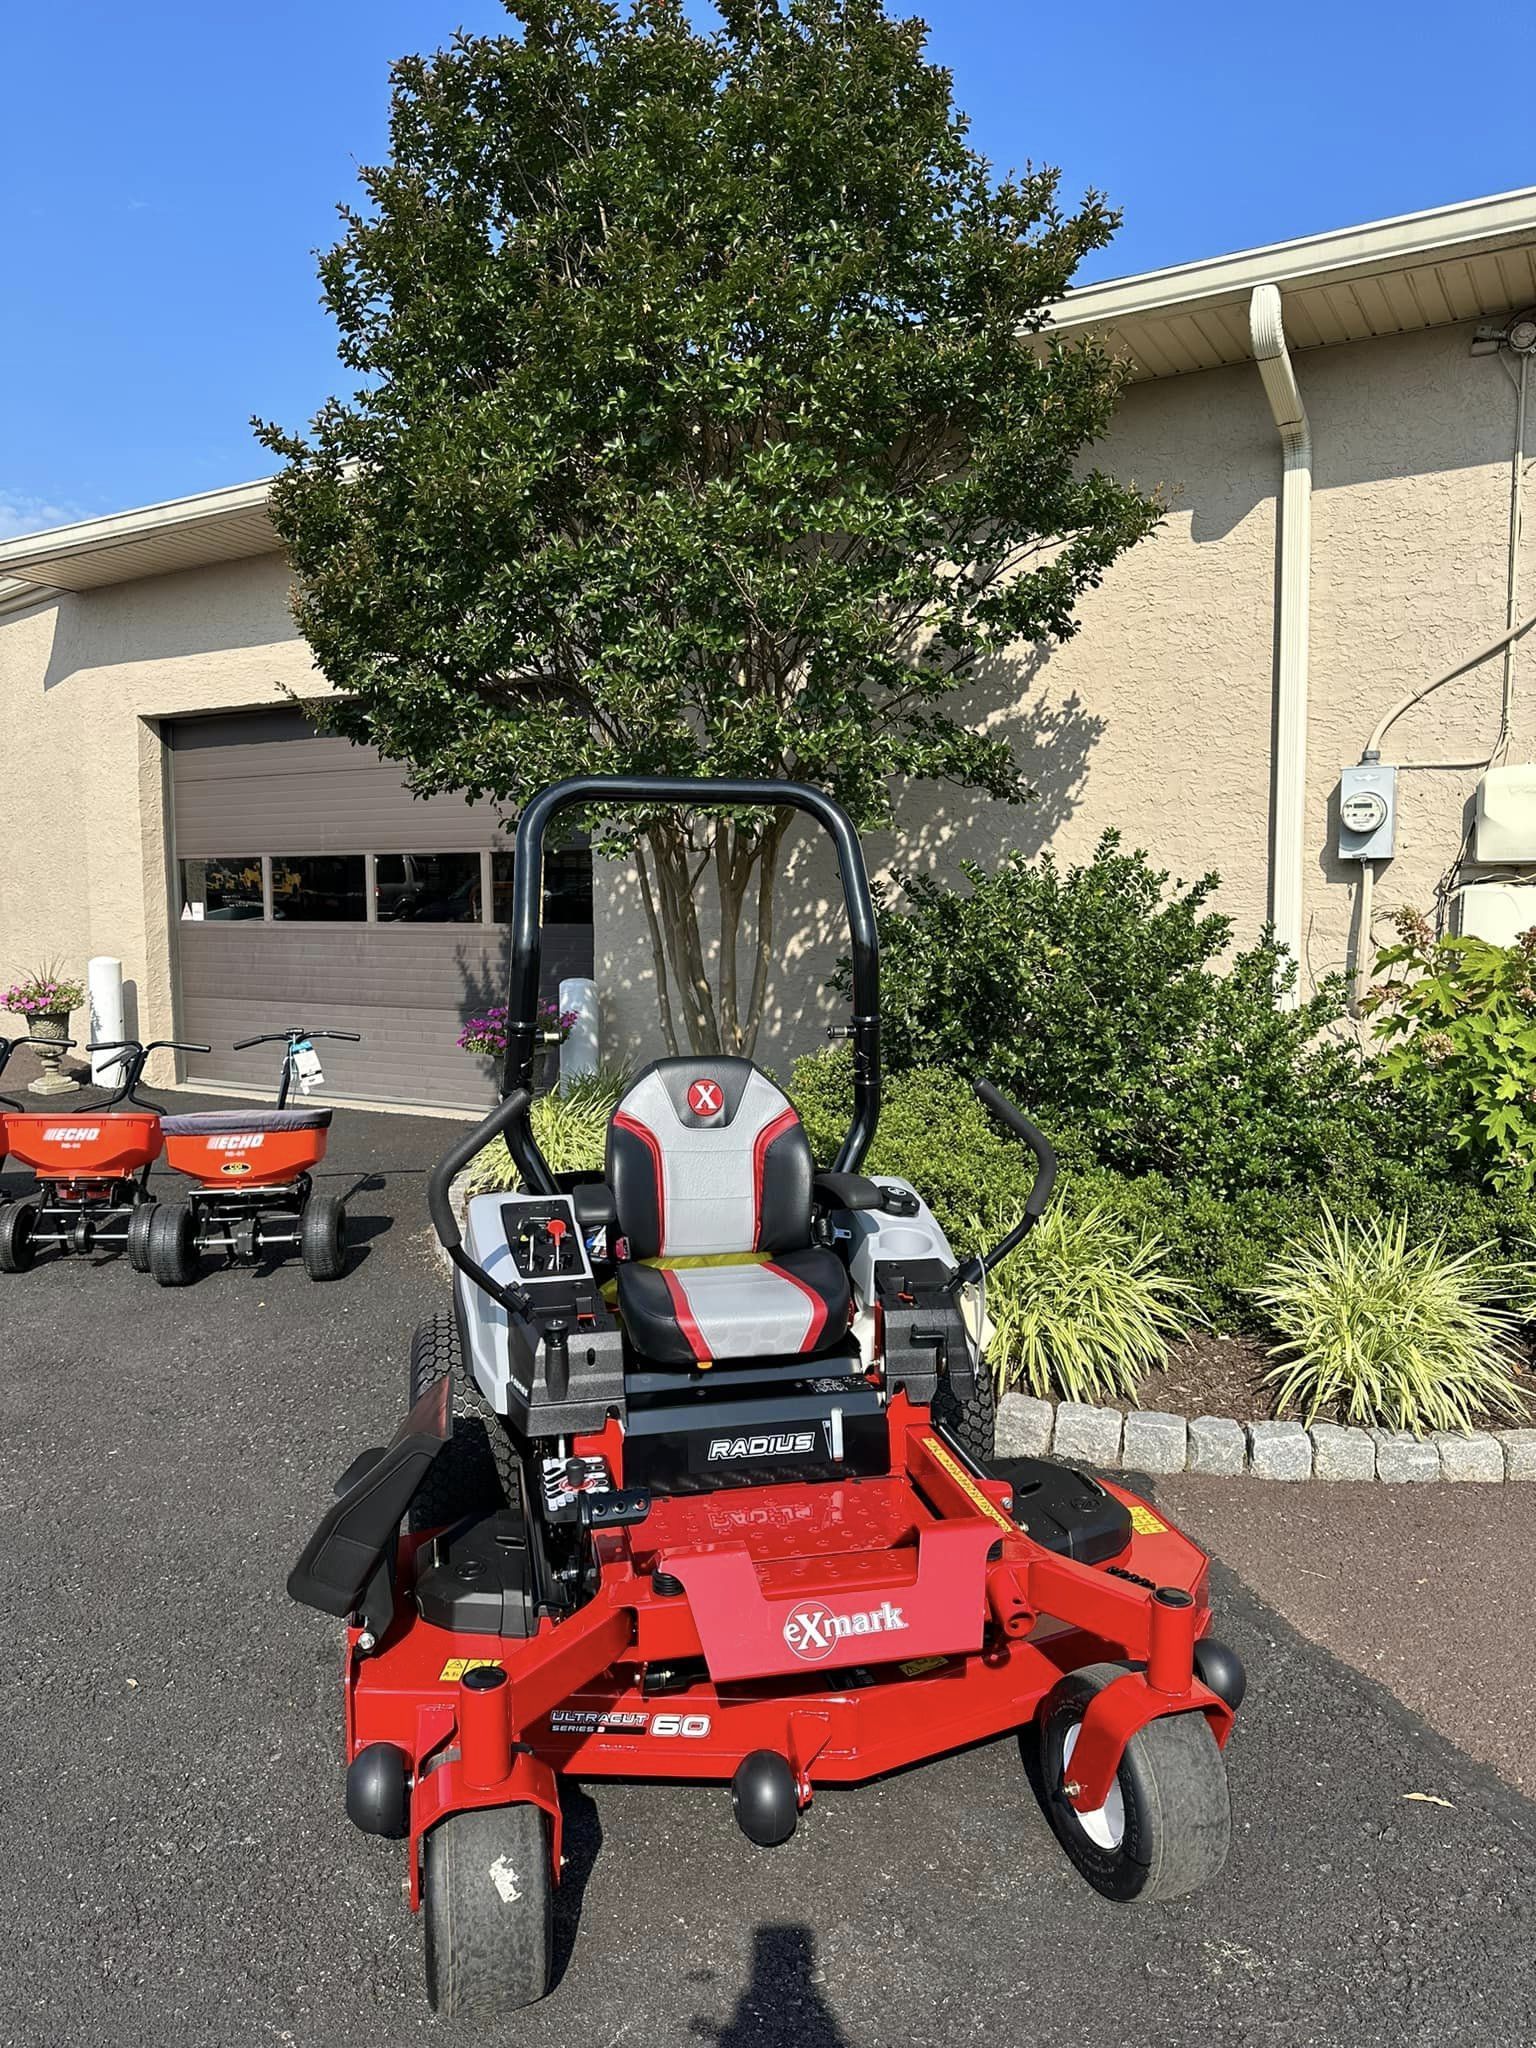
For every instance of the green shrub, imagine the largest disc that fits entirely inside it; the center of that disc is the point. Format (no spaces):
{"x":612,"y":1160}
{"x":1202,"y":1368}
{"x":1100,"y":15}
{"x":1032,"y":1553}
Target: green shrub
{"x":933,"y":1132}
{"x":1459,"y":1019}
{"x":1083,"y":1308}
{"x":1089,"y":995}
{"x":1381,"y":1330}
{"x":571,"y":1130}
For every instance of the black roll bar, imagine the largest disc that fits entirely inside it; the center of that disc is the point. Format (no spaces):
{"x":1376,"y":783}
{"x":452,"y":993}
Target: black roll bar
{"x":601,"y":791}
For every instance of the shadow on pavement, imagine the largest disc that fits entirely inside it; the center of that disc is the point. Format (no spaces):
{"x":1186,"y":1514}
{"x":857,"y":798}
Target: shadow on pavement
{"x":782,"y":2001}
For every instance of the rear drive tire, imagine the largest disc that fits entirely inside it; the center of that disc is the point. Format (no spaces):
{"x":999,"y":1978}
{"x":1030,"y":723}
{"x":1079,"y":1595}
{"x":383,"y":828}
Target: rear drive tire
{"x":1167,"y":1824}
{"x":17,"y":1246}
{"x":323,"y":1237}
{"x":476,"y":1472}
{"x":140,"y":1222}
{"x":172,"y":1247}
{"x":488,"y":1898}
{"x":971,"y":1423}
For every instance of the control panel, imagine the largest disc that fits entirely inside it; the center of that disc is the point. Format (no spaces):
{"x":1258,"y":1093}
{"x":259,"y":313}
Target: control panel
{"x":544,"y":1241}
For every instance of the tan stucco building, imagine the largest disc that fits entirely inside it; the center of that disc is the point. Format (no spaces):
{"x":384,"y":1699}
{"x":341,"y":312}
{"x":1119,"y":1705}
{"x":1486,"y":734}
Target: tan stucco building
{"x":1226,"y":671}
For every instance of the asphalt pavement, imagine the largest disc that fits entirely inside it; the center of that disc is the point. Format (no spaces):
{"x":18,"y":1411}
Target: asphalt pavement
{"x":175,"y":1866}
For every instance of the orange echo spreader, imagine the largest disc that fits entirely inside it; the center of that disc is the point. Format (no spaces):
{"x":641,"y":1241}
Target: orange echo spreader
{"x":251,"y":1170}
{"x":92,"y":1166}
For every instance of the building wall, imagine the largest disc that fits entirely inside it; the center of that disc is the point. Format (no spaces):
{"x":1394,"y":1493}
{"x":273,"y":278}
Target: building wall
{"x":1157,"y":717}
{"x":84,"y":678}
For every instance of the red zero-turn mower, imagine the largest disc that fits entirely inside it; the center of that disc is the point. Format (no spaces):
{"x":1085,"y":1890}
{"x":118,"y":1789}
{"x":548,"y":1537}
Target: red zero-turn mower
{"x":252,"y":1168}
{"x":696,"y":1485}
{"x":92,"y":1166}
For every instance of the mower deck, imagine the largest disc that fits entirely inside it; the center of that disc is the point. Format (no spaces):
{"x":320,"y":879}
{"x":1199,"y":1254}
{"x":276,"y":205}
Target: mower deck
{"x":726,"y":1624}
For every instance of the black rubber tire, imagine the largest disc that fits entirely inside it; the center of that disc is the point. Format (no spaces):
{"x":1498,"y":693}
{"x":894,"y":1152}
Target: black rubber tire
{"x":17,"y":1246}
{"x":476,"y":1473}
{"x":323,"y":1237}
{"x":1173,"y":1783}
{"x":136,"y":1243}
{"x":971,"y":1423}
{"x":173,"y":1255}
{"x":488,"y":1909}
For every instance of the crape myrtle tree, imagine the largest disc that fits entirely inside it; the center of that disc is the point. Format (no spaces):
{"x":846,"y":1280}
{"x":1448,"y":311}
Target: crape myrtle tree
{"x":704,"y":425}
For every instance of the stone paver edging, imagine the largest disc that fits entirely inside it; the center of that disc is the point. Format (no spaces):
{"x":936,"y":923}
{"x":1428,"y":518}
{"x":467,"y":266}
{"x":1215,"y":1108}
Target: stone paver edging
{"x":1148,"y":1440}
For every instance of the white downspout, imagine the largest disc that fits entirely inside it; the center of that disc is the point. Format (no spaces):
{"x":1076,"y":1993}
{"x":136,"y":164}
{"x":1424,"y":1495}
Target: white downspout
{"x":1266,"y":328}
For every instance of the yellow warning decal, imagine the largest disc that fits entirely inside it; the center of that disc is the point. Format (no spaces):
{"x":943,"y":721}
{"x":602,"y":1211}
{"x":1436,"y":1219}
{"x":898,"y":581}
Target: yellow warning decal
{"x":456,"y":1667}
{"x":1144,"y":1522}
{"x":918,"y":1667}
{"x":967,"y":1485}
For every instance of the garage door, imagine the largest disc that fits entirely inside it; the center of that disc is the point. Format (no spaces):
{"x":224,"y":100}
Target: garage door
{"x":311,"y":887}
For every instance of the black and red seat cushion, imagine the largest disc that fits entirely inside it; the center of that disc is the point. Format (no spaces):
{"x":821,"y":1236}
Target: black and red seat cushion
{"x":712,"y":1175}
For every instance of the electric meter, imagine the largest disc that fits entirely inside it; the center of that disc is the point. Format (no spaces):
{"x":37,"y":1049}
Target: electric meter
{"x":1364,"y":810}
{"x":1367,"y":807}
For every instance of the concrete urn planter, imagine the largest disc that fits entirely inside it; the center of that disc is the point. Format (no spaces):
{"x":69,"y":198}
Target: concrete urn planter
{"x":48,"y":1038}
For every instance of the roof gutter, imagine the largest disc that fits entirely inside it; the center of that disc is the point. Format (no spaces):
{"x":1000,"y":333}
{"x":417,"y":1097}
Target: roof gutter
{"x":1293,"y":591}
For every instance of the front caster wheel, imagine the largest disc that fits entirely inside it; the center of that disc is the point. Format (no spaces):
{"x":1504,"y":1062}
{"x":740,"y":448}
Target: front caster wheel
{"x":323,"y":1237}
{"x":172,"y":1245}
{"x":18,"y":1248}
{"x":1166,"y":1826}
{"x":488,"y":1898}
{"x":140,"y":1223}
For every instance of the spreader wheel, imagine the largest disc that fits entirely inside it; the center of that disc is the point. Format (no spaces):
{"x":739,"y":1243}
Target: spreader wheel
{"x":140,"y":1222}
{"x":18,"y":1248}
{"x":172,"y":1245}
{"x":323,"y":1236}
{"x":1166,"y":1826}
{"x":477,"y":1471}
{"x":488,"y":1898}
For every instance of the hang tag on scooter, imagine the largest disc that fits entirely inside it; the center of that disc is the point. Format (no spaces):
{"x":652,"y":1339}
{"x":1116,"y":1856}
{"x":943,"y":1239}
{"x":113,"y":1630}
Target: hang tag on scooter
{"x":306,"y":1067}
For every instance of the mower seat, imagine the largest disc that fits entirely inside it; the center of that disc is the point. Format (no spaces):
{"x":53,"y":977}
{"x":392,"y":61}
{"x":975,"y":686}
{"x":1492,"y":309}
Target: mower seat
{"x":209,"y":1123}
{"x":712,"y":1176}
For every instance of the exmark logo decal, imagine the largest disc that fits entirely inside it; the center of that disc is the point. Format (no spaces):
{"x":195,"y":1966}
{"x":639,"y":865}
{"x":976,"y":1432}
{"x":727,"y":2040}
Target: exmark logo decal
{"x":71,"y":1134}
{"x":249,"y":1141}
{"x":813,"y":1632}
{"x":706,"y":1098}
{"x":789,"y":1444}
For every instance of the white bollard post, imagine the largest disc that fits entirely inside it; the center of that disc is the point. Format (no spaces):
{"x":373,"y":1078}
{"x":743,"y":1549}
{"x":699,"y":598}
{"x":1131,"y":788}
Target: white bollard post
{"x":104,"y":1002}
{"x":579,"y":1053}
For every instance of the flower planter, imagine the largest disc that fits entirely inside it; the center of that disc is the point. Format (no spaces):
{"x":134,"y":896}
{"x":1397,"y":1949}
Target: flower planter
{"x":48,"y":1036}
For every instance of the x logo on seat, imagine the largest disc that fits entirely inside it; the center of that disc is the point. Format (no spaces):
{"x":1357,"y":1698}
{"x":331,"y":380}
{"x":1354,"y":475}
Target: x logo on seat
{"x":705,"y":1098}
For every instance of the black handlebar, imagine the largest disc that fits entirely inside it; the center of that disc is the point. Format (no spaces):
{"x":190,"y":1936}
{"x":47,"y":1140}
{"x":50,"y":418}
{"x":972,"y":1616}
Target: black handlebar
{"x":1029,"y":1134}
{"x":507,"y":1112}
{"x":288,"y":1037}
{"x":133,"y":1057}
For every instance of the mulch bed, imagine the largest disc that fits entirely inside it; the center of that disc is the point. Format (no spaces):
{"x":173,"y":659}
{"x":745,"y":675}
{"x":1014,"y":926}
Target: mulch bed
{"x":1208,"y":1375}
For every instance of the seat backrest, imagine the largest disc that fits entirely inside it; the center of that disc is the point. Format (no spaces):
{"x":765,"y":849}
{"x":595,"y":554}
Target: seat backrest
{"x":706,"y":1155}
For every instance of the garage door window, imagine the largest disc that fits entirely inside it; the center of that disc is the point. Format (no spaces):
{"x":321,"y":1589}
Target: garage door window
{"x":319,"y":888}
{"x":427,"y":888}
{"x":221,"y":891}
{"x":567,"y":886}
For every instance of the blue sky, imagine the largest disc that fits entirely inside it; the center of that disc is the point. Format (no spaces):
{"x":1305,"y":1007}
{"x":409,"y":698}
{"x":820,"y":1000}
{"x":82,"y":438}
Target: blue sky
{"x":167,"y":170}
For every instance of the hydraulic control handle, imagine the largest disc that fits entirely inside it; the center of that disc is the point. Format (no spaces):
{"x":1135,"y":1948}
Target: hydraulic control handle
{"x":1029,"y":1134}
{"x":509,"y":1111}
